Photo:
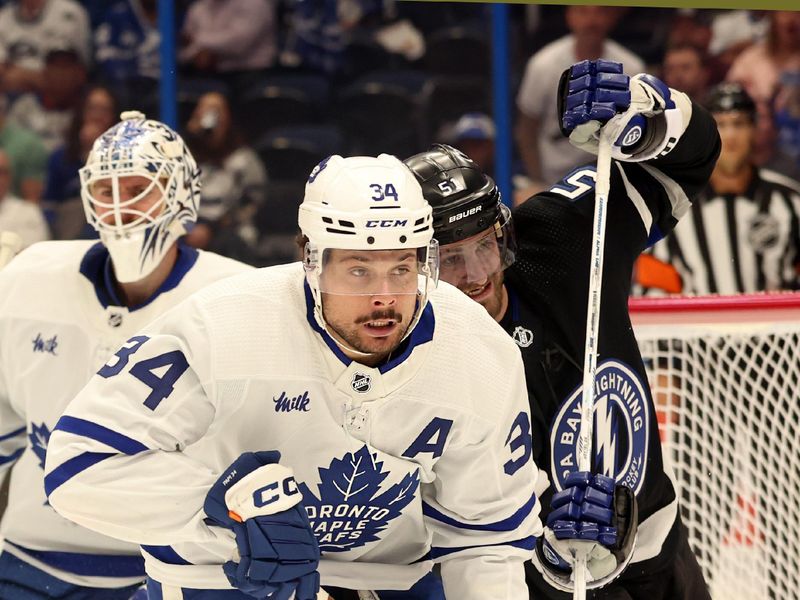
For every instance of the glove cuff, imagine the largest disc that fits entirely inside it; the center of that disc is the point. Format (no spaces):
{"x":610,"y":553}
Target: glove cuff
{"x":562,"y":580}
{"x":661,"y":134}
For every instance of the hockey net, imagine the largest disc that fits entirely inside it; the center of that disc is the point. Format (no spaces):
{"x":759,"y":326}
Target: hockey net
{"x":725,"y":375}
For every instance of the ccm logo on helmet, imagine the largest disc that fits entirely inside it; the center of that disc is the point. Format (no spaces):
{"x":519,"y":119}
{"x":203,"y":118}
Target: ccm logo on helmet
{"x":387,"y":223}
{"x":269,"y":493}
{"x":466,"y":213}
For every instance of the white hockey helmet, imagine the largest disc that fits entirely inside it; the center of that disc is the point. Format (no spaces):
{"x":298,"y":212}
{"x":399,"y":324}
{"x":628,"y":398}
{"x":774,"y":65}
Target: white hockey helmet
{"x":367,"y":203}
{"x":138,"y":237}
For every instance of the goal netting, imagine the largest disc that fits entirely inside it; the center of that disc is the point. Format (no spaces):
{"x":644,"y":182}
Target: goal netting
{"x":725,"y":374}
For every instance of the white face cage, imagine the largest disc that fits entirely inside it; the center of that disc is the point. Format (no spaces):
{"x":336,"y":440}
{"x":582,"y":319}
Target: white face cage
{"x":140,"y":191}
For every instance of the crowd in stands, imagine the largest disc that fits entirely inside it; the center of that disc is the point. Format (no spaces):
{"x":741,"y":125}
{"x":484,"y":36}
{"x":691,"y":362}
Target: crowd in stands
{"x":267,"y":88}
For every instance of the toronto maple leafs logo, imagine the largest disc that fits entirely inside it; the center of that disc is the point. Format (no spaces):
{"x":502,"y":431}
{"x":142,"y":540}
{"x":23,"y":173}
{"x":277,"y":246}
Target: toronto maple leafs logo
{"x":39,"y":436}
{"x":350,"y":511}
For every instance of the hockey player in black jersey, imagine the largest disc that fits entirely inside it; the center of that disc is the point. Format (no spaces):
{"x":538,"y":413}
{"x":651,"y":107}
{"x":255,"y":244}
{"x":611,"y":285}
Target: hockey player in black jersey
{"x":535,"y":284}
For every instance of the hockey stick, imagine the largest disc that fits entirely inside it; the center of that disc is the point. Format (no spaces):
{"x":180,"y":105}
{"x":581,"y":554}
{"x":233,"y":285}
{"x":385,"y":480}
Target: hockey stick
{"x":601,"y":187}
{"x":10,"y":244}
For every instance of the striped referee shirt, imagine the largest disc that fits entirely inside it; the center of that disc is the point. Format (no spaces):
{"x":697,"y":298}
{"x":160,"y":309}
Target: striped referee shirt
{"x":729,"y":243}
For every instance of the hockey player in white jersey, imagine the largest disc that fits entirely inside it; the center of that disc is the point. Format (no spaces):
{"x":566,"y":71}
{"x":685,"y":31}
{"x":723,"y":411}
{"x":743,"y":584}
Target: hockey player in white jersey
{"x":340,"y":419}
{"x":65,"y":307}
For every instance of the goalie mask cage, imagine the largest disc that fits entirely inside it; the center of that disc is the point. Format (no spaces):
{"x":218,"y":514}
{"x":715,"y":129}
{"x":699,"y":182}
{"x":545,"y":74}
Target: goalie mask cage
{"x":725,"y":376}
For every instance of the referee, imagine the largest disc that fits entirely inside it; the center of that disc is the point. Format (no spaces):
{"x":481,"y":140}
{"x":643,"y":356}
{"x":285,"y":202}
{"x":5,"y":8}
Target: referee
{"x":742,"y":233}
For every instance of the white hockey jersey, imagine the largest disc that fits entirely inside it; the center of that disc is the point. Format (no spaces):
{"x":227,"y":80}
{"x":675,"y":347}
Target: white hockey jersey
{"x":59,"y":323}
{"x":427,"y":457}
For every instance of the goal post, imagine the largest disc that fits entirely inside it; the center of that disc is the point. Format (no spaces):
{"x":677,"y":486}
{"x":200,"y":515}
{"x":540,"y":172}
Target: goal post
{"x":725,"y":376}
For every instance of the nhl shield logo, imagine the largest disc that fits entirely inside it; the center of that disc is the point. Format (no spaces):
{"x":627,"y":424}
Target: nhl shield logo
{"x":621,"y":428}
{"x":361,"y":382}
{"x":115,"y":319}
{"x":522,"y":336}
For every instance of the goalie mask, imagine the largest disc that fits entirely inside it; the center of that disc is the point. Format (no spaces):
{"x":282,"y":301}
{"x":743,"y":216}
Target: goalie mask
{"x":471,"y":224}
{"x":370,"y":243}
{"x":140,"y":190}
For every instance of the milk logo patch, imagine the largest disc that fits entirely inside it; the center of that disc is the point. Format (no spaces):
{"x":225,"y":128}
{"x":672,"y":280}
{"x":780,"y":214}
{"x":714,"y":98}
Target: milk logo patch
{"x":522,"y":336}
{"x":353,"y":507}
{"x":621,"y":428}
{"x":361,"y":382}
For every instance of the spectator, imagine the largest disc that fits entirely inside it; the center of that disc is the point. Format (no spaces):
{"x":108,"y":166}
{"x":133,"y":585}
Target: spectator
{"x":27,"y":31}
{"x":685,"y":69}
{"x":760,"y":69}
{"x":127,"y":49}
{"x":49,"y":112}
{"x":246,"y":44}
{"x":742,"y":233}
{"x":474,"y":135}
{"x":787,"y":116}
{"x":320,"y":30}
{"x":733,"y":31}
{"x":98,"y":111}
{"x":546,"y":153}
{"x":16,"y":214}
{"x":28,"y":157}
{"x":232,"y":176}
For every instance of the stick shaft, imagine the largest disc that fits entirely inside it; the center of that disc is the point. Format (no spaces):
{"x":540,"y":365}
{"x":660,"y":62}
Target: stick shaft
{"x":602,"y":186}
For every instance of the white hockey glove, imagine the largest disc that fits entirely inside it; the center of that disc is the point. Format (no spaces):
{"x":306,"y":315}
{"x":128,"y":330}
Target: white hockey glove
{"x":593,"y":515}
{"x":642,"y":116}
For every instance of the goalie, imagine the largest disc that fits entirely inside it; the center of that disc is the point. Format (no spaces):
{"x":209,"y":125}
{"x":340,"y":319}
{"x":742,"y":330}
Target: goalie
{"x":535,"y":284}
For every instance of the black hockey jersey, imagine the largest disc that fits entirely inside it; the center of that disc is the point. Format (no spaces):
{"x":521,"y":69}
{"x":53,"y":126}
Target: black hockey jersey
{"x":548,"y":290}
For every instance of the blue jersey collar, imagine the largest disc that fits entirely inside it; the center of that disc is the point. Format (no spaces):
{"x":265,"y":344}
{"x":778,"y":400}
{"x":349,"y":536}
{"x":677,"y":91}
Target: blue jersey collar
{"x":422,"y":334}
{"x":96,"y":266}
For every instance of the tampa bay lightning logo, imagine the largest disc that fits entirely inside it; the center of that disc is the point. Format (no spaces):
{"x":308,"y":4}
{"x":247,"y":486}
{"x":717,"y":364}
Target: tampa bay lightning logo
{"x":39,"y":437}
{"x":350,"y":510}
{"x":621,"y":428}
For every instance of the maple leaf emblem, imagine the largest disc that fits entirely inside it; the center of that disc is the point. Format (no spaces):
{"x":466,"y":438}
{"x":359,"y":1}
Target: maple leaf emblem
{"x":351,"y":510}
{"x":39,"y":436}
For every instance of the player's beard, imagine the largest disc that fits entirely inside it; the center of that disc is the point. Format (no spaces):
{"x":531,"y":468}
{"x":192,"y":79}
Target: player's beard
{"x":354,"y":337}
{"x":494,"y":303}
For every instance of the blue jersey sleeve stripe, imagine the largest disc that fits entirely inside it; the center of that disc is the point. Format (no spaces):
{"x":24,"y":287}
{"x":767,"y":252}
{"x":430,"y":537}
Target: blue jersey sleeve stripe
{"x":166,"y":554}
{"x":72,"y":467}
{"x":101,"y":434}
{"x":91,"y":565}
{"x":507,"y":524}
{"x":528,"y":543}
{"x":11,"y":457}
{"x":13,"y":434}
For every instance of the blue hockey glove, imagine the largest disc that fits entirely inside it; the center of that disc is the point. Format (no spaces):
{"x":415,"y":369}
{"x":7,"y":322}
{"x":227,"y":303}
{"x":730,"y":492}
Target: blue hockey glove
{"x":592,"y":515}
{"x":639,"y":113}
{"x":278,"y":554}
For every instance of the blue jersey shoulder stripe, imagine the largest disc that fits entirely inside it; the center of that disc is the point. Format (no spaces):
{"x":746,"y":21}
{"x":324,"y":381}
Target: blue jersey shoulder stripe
{"x":528,"y":543}
{"x":14,"y":433}
{"x":66,"y":471}
{"x":166,"y":554}
{"x":97,"y":565}
{"x":11,"y":457}
{"x":101,"y":434}
{"x":507,"y":524}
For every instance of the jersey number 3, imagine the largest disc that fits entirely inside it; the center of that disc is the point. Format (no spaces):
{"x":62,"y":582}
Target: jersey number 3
{"x":162,"y":385}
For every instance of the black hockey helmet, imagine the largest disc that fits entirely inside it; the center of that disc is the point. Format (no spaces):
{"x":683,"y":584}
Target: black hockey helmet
{"x":730,"y":96}
{"x":465,"y":200}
